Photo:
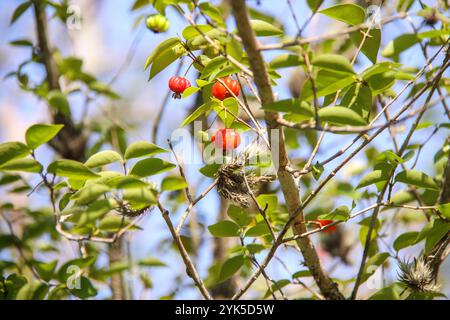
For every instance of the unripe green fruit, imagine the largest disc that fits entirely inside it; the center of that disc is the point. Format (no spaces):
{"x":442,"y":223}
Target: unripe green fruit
{"x":157,"y":23}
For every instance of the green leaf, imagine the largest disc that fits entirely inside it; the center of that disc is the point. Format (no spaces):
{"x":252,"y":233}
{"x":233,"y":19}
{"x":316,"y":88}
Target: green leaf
{"x":389,"y":156}
{"x":387,"y":293}
{"x":378,"y":68}
{"x":86,"y":289}
{"x":341,"y":116}
{"x":39,"y":134}
{"x":210,"y":170}
{"x":103,"y":89}
{"x":404,"y":5}
{"x":224,"y":228}
{"x":197,"y":113}
{"x":12,"y":150}
{"x":416,"y":178}
{"x":161,"y":49}
{"x":24,"y":165}
{"x":201,"y":83}
{"x":139,"y":198}
{"x":333,"y":62}
{"x":436,"y":233}
{"x":405,"y":240}
{"x":372,"y":265}
{"x":358,"y":98}
{"x":327,"y":82}
{"x":371,"y":43}
{"x":21,"y":43}
{"x":72,"y":267}
{"x":142,"y":149}
{"x":260,"y":229}
{"x":433,"y":34}
{"x":255,"y":248}
{"x":373,"y":177}
{"x":399,"y":44}
{"x":348,"y":13}
{"x":20,"y":10}
{"x":444,"y":209}
{"x":363,"y":232}
{"x":138,"y":4}
{"x":150,"y":166}
{"x":341,"y":213}
{"x":239,"y":215}
{"x":230,"y":267}
{"x":290,"y":105}
{"x":213,"y":12}
{"x":191,"y":32}
{"x":32,"y":291}
{"x":71,"y":169}
{"x":301,"y":274}
{"x":89,"y":193}
{"x":189,"y":91}
{"x":165,"y":59}
{"x":230,"y":69}
{"x":213,"y":66}
{"x":317,"y":170}
{"x":225,"y":112}
{"x":113,"y":223}
{"x":271,"y":200}
{"x":314,"y":4}
{"x":46,"y":270}
{"x":125,"y":182}
{"x":56,"y":99}
{"x":173,"y":183}
{"x":96,"y":210}
{"x":264,"y":29}
{"x":275,"y":286}
{"x":103,"y":158}
{"x":402,"y":197}
{"x":286,"y":60}
{"x":151,"y":262}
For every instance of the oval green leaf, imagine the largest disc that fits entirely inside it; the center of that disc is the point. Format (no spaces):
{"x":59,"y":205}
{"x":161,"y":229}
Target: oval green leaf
{"x":416,"y":178}
{"x":39,"y":134}
{"x":103,"y":158}
{"x":341,"y":116}
{"x":12,"y":150}
{"x":142,"y":149}
{"x":224,"y":228}
{"x":348,"y":13}
{"x":150,"y":166}
{"x":24,"y":165}
{"x":71,"y":169}
{"x":265,"y":29}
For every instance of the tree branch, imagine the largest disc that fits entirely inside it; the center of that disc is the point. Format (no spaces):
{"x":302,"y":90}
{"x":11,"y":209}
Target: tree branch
{"x":190,"y":268}
{"x":289,"y":188}
{"x":70,"y":142}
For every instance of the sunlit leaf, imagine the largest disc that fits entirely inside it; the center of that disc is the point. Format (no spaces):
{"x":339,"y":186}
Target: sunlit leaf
{"x":348,"y":13}
{"x":416,"y":178}
{"x":39,"y":134}
{"x":103,"y":158}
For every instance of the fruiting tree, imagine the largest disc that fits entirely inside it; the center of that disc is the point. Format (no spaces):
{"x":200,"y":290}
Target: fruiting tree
{"x":323,"y":173}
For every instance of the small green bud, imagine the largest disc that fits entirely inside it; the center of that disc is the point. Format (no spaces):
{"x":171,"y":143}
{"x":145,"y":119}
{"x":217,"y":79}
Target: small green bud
{"x":157,"y":23}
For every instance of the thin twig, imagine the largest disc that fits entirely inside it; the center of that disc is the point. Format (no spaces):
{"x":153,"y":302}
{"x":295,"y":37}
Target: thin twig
{"x":190,"y":268}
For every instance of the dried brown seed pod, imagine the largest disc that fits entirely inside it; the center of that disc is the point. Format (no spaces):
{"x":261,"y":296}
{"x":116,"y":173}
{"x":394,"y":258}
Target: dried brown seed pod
{"x":231,"y":183}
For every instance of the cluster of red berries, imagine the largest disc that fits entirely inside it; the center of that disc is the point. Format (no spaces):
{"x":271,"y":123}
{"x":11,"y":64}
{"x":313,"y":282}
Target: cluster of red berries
{"x":224,"y":139}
